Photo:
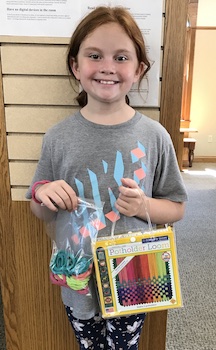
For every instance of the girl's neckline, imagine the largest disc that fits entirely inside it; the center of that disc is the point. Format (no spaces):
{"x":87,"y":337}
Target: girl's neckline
{"x":127,"y":123}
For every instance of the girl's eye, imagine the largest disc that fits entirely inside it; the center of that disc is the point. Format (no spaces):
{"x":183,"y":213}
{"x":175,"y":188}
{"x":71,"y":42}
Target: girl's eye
{"x":94,"y":56}
{"x":121,"y":58}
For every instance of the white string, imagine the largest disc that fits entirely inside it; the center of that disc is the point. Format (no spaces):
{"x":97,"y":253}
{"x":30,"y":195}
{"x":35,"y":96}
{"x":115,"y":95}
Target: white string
{"x":146,"y":205}
{"x":114,"y":224}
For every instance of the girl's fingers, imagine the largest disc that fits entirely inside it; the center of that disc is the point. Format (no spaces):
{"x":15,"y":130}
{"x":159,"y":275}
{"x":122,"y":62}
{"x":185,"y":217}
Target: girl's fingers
{"x":129,"y":183}
{"x":130,"y":202}
{"x":49,"y":204}
{"x":58,"y":194}
{"x":71,"y":199}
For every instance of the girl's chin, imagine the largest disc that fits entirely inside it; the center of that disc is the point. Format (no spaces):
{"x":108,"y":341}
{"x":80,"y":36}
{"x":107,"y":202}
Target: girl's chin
{"x":110,"y":100}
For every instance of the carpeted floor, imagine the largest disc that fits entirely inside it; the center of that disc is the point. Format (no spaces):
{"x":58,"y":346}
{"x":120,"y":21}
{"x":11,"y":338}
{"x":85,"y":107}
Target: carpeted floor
{"x":192,"y":327}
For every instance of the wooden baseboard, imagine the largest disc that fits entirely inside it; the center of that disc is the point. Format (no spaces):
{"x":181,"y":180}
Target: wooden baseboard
{"x":211,"y":159}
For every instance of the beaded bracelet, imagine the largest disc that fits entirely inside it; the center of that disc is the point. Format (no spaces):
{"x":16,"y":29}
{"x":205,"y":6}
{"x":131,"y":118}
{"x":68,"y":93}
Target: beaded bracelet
{"x":42,"y":182}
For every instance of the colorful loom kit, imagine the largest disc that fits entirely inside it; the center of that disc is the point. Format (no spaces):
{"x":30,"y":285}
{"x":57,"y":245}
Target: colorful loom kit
{"x":137,"y":272}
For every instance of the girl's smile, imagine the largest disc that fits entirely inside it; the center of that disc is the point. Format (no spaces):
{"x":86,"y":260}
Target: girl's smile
{"x":106,"y":82}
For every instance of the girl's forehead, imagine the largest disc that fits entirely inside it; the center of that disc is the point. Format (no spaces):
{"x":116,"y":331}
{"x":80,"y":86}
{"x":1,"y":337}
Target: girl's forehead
{"x":108,"y":27}
{"x":109,"y":32}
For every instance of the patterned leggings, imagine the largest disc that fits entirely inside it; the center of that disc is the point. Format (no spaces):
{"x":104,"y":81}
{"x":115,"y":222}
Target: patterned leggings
{"x":118,"y":333}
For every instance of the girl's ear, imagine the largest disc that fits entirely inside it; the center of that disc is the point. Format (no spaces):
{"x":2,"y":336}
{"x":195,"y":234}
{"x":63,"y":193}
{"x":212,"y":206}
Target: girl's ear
{"x":75,"y":68}
{"x":139,"y":71}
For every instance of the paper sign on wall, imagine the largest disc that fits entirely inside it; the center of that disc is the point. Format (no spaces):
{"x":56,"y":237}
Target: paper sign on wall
{"x":58,"y":18}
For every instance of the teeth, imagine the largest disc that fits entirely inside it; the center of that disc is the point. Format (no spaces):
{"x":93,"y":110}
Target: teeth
{"x":107,"y":82}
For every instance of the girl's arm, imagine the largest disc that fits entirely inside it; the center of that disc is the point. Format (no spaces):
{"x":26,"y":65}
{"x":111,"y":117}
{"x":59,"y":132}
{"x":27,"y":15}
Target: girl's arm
{"x":42,"y":212}
{"x":162,"y":211}
{"x":133,"y":202}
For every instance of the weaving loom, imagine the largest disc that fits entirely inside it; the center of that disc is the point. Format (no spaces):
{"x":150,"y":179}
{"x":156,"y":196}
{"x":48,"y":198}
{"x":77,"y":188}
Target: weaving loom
{"x":137,"y":272}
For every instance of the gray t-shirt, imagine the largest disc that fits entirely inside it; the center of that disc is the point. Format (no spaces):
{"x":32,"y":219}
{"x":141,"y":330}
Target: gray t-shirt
{"x":92,"y":159}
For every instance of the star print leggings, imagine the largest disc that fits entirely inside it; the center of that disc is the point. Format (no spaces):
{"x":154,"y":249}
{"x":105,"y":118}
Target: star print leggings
{"x":119,"y":333}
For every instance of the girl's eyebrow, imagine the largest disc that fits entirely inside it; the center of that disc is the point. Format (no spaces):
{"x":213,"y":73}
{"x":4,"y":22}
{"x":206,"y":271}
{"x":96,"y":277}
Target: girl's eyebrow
{"x":92,"y":48}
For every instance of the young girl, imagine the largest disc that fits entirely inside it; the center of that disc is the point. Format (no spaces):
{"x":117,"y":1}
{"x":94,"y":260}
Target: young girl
{"x":110,"y":153}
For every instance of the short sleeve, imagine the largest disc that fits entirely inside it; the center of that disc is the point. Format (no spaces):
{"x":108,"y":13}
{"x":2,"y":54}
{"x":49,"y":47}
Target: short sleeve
{"x":44,"y":170}
{"x":168,"y":181}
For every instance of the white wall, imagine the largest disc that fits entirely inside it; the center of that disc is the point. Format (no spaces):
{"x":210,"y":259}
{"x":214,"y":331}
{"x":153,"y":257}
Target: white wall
{"x":206,"y":13}
{"x":203,"y":100}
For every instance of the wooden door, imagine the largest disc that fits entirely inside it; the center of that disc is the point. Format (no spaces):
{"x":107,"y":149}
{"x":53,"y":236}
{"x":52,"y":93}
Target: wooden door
{"x":33,"y":313}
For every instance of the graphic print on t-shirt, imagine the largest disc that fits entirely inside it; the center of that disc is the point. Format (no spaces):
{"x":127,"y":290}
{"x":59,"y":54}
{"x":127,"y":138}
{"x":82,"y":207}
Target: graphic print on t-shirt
{"x":137,"y":156}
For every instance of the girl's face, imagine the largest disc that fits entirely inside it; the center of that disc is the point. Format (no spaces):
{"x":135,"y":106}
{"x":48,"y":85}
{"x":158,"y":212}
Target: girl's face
{"x":107,"y":64}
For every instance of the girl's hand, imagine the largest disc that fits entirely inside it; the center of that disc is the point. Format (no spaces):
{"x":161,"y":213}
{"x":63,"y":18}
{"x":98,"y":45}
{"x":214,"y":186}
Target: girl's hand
{"x":131,"y":198}
{"x":57,"y":194}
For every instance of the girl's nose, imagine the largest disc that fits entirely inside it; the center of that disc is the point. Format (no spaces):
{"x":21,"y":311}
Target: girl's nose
{"x":106,"y":71}
{"x":107,"y":67}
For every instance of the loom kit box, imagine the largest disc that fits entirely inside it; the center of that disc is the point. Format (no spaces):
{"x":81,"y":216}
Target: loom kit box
{"x":137,"y":272}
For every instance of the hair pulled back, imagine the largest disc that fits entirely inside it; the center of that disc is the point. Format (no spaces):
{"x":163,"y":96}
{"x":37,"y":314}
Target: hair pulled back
{"x":99,"y":16}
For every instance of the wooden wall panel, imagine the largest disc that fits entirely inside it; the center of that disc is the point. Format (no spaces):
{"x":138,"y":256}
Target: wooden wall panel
{"x":34,"y":119}
{"x":152,"y":113}
{"x":24,"y":147}
{"x":8,"y":270}
{"x":153,"y":336}
{"x":173,"y":67}
{"x":38,"y":90}
{"x":7,"y":39}
{"x":44,"y":323}
{"x":18,"y":194}
{"x":39,"y":59}
{"x":21,"y":174}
